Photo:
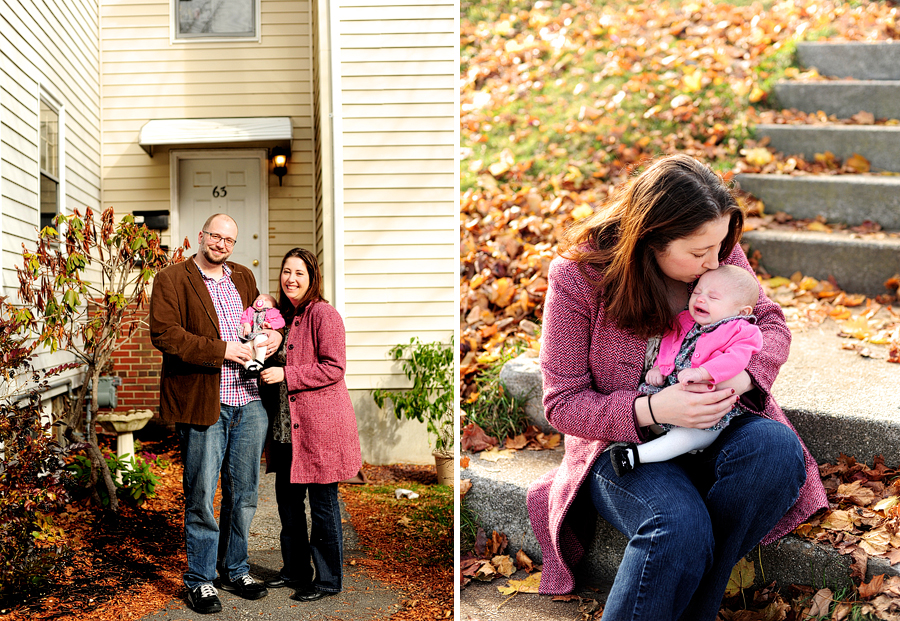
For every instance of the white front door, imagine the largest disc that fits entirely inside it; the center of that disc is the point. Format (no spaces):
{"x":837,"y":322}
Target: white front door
{"x":229,"y":186}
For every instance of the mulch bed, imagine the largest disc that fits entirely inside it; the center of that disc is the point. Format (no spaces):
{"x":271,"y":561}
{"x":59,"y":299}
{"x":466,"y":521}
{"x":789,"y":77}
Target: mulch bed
{"x":131,"y":565}
{"x":426,"y":574}
{"x":123,"y":566}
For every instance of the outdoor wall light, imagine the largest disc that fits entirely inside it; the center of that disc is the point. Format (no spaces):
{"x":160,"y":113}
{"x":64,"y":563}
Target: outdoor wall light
{"x":279,"y":159}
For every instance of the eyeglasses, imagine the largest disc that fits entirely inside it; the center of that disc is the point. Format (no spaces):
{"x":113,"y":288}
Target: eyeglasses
{"x":215,"y":238}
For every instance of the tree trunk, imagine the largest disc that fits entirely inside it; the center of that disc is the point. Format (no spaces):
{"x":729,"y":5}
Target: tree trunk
{"x":99,"y":467}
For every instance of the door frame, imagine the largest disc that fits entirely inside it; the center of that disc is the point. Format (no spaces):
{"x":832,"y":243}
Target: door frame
{"x":175,"y":158}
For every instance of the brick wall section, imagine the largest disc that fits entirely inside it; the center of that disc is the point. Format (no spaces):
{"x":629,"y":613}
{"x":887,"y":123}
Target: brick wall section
{"x":138,"y":363}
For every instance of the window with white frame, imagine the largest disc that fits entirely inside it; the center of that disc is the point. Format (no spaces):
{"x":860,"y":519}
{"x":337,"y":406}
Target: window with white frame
{"x":220,"y":19}
{"x":49,"y":162}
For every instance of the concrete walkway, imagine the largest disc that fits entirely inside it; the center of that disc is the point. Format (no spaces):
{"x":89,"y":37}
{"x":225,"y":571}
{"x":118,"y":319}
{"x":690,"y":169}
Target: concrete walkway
{"x":361,"y":600}
{"x":481,"y":601}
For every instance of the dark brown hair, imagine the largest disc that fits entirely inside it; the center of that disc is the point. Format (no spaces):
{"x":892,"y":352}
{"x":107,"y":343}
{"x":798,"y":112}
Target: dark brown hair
{"x":673,"y":198}
{"x":313,"y":293}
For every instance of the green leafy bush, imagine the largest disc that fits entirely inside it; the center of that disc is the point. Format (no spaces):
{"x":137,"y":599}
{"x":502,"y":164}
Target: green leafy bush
{"x":135,"y":481}
{"x":430,"y":400}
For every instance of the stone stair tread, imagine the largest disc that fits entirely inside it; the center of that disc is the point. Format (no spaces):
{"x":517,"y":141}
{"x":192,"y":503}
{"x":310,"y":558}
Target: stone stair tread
{"x":838,"y":400}
{"x":842,"y":98}
{"x":498,"y":497}
{"x":849,"y":199}
{"x":887,"y":238}
{"x":872,"y":60}
{"x":821,"y":388}
{"x":858,"y":264}
{"x":865,"y":179}
{"x":877,"y":143}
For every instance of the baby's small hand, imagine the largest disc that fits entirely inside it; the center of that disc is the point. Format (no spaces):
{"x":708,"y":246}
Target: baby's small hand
{"x":655,"y":377}
{"x":694,"y":376}
{"x":245,"y":329}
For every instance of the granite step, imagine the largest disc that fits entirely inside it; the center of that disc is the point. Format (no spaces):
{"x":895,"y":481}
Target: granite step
{"x":498,"y":498}
{"x":858,"y":265}
{"x":841,"y":98}
{"x":849,"y":199}
{"x":863,"y":61}
{"x":876,"y":143}
{"x":837,"y":400}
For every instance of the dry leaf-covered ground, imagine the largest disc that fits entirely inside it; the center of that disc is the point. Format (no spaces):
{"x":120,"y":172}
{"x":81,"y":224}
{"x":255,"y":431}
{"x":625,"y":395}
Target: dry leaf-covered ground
{"x":409,"y":543}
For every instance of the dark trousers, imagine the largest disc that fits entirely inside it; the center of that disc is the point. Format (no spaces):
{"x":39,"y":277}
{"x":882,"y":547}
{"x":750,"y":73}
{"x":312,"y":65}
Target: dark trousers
{"x":322,"y":546}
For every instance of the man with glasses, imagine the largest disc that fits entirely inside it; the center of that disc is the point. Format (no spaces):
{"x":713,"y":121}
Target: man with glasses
{"x":195,"y":310}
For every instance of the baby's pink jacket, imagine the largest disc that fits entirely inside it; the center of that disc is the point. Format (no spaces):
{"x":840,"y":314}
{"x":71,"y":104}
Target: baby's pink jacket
{"x":272,"y":316}
{"x":724,"y":352}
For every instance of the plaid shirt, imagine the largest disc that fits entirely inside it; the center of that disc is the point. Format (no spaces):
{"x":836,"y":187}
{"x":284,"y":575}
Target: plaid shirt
{"x":233,"y":389}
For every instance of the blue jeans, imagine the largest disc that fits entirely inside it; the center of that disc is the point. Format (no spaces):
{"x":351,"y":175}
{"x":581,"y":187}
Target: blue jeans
{"x":691,"y":519}
{"x":232,"y":446}
{"x":324,"y":545}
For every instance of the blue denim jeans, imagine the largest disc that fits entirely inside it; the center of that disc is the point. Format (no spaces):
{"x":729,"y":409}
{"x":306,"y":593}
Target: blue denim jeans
{"x":691,"y":519}
{"x":324,"y":543}
{"x":232,"y":446}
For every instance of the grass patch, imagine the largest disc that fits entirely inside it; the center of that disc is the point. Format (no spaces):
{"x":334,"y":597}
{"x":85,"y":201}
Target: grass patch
{"x":497,"y":411}
{"x":420,"y":529}
{"x":468,"y":527}
{"x":773,"y":68}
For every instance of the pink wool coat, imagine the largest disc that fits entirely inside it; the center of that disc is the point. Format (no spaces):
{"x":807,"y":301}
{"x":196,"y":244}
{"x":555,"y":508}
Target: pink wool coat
{"x":724,"y":352}
{"x":324,"y":439}
{"x":591,"y":371}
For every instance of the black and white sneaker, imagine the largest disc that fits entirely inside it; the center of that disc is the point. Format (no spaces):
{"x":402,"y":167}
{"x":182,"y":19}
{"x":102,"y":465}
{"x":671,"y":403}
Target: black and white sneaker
{"x":621,"y":456}
{"x":245,"y":586}
{"x":252,"y":370}
{"x":204,"y":599}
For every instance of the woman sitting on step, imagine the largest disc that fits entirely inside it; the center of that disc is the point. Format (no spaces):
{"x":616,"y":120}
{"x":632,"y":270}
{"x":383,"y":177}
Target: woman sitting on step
{"x":623,"y":276}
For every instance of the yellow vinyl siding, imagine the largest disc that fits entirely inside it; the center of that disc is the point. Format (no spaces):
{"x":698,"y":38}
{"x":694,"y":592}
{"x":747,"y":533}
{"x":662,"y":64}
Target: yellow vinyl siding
{"x":399,"y":123}
{"x":146,"y":76}
{"x":48,"y":47}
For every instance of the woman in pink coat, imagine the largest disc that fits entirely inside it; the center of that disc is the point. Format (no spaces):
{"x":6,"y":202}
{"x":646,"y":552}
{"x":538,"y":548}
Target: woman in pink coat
{"x":313,"y":440}
{"x":622,"y":278}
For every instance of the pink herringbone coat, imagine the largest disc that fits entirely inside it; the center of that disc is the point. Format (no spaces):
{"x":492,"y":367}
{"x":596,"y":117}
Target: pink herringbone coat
{"x":591,"y":372}
{"x":324,"y":439}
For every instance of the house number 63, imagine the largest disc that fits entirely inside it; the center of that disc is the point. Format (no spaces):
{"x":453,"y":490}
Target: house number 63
{"x":217,"y":191}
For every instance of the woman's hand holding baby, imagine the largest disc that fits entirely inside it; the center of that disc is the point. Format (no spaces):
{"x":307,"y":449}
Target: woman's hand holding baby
{"x":680,"y":406}
{"x":740,"y":382}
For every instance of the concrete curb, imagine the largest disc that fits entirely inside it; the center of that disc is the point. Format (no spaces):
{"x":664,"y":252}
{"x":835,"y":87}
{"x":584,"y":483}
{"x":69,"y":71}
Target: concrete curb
{"x":877,"y":143}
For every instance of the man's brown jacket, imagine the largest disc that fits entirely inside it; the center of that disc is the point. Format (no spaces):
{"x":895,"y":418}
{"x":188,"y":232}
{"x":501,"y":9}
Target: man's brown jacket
{"x":184,"y":326}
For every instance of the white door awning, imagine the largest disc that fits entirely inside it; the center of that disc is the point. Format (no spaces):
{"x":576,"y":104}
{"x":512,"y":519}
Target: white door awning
{"x":272,"y":131}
